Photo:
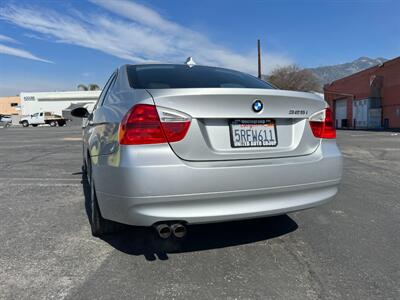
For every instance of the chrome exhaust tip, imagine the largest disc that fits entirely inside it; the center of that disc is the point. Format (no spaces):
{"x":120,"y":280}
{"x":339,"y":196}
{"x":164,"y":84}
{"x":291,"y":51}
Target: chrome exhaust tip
{"x":163,"y":230}
{"x":178,"y":230}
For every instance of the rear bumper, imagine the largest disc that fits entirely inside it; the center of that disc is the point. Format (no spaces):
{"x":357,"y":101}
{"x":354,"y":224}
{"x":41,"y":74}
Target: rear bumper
{"x":151,"y":184}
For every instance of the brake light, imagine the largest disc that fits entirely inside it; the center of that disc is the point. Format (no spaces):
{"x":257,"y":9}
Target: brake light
{"x":143,"y":125}
{"x":322,"y":124}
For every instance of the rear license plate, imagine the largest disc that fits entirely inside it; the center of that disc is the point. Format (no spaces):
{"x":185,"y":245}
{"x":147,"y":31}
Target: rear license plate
{"x":253,"y":133}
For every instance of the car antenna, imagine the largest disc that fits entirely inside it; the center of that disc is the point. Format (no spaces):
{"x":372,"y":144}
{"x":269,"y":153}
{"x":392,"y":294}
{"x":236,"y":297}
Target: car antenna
{"x":190,"y":62}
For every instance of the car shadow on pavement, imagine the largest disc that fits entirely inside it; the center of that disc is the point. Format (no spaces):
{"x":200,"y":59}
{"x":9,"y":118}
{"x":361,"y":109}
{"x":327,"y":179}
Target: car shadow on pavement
{"x":135,"y":240}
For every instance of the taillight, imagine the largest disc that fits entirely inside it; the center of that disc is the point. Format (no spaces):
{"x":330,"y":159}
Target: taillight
{"x":174,"y":123}
{"x":146,"y":124}
{"x":322,"y":124}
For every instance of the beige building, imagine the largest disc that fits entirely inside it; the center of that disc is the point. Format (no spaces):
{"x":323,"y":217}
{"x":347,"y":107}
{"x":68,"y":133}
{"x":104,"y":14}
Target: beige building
{"x":10,"y":105}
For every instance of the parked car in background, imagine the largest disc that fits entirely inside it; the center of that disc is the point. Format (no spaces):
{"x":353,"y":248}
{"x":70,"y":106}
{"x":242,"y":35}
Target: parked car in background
{"x":171,"y":145}
{"x":42,"y":118}
{"x":5,"y":120}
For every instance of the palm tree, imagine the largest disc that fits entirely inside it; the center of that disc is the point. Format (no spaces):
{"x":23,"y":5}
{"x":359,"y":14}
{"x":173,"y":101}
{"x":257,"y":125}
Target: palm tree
{"x":93,"y":87}
{"x":89,"y":87}
{"x":82,"y":87}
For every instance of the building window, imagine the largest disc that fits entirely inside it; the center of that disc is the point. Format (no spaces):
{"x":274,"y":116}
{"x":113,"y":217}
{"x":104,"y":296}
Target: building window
{"x":398,"y":112}
{"x":14,"y":104}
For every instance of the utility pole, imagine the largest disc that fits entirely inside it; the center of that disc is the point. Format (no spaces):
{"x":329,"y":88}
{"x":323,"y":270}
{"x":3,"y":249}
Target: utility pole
{"x":259,"y":58}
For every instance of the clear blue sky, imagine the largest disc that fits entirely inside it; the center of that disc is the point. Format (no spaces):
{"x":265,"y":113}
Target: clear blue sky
{"x":55,"y":45}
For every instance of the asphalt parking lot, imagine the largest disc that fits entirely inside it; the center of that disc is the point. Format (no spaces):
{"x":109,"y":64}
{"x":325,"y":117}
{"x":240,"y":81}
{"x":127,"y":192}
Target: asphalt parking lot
{"x":347,"y":249}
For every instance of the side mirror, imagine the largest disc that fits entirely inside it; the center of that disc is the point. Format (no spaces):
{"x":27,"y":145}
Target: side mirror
{"x":80,"y":112}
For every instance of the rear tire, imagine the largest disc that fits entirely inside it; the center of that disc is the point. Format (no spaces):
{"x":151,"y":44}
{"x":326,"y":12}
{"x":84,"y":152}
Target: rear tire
{"x":98,"y":224}
{"x":34,"y":125}
{"x":53,"y":123}
{"x":84,"y":167}
{"x":84,"y":164}
{"x":25,"y":124}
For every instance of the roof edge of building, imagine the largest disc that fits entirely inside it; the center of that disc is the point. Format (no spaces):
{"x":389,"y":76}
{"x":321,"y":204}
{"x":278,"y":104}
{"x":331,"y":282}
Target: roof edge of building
{"x":63,"y":93}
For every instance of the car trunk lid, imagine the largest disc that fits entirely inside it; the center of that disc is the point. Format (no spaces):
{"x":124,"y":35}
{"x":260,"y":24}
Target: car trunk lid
{"x":213,"y":110}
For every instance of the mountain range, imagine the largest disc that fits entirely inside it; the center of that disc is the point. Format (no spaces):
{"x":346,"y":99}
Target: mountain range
{"x":327,"y":74}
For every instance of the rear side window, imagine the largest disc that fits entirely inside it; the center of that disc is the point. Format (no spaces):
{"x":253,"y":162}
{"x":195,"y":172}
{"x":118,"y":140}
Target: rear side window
{"x":107,"y":93}
{"x":181,"y":76}
{"x":105,"y":90}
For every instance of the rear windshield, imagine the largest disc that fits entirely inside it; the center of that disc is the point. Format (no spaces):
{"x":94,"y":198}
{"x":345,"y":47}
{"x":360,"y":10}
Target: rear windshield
{"x":181,"y":76}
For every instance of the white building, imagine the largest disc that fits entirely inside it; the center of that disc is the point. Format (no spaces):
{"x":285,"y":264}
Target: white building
{"x":55,"y":102}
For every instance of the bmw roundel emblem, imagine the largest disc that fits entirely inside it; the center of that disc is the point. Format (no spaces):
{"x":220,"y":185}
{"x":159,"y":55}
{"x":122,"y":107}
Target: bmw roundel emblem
{"x":257,"y":106}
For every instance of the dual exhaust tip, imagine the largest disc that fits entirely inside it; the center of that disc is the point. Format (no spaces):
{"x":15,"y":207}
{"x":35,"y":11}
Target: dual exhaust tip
{"x":164,"y":230}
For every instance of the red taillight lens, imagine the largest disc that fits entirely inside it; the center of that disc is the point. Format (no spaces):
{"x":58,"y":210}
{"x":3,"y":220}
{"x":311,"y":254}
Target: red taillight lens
{"x":322,"y":124}
{"x":175,"y":131}
{"x":142,"y":125}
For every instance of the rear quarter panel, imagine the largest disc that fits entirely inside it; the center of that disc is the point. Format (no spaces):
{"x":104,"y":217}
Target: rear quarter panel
{"x":102,"y":135}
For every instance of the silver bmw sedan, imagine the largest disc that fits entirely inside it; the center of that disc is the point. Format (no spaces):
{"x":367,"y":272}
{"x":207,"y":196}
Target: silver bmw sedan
{"x":169,"y":145}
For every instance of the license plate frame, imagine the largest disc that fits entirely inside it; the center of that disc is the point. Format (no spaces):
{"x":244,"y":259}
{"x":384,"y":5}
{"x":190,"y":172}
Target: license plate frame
{"x":250,"y":123}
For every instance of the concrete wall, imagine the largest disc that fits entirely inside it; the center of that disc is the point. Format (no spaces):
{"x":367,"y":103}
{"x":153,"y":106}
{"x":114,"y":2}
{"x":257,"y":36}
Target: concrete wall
{"x":5,"y":105}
